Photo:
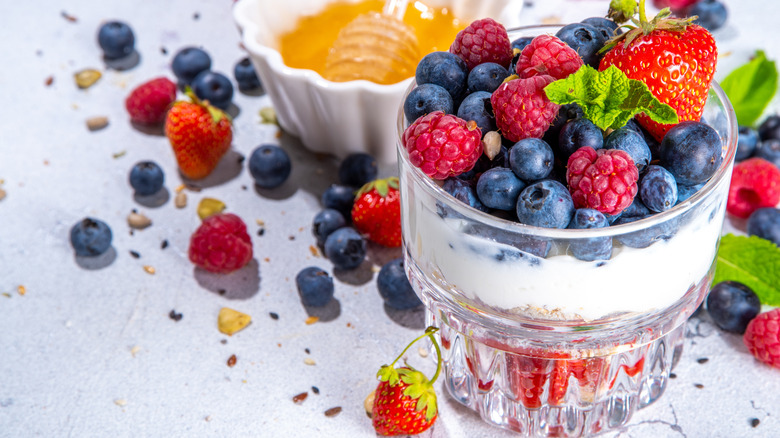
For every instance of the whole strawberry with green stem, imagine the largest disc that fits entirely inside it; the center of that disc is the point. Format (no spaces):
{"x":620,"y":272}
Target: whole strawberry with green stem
{"x":200,"y":135}
{"x":405,"y":401}
{"x":376,"y":212}
{"x":674,"y":58}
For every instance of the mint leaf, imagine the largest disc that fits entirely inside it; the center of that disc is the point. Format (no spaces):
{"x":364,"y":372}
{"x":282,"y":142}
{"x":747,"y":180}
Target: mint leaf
{"x":752,"y":261}
{"x":609,"y":98}
{"x":750,"y":87}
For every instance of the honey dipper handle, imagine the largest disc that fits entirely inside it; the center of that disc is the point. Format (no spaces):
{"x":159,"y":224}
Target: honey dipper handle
{"x":395,"y":8}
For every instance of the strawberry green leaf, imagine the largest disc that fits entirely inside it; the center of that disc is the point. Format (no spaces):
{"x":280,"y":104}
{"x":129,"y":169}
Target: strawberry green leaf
{"x":752,"y":261}
{"x":420,"y":389}
{"x":622,"y":10}
{"x":609,"y":98}
{"x":751,"y":87}
{"x":389,"y":374}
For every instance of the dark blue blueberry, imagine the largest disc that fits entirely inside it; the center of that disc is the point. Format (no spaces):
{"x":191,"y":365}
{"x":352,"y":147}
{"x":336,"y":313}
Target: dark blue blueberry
{"x":270,"y":166}
{"x":90,"y":237}
{"x":658,"y":189}
{"x":578,"y":133}
{"x":711,"y":14}
{"x":326,"y":222}
{"x":545,"y":203}
{"x":746,"y":143}
{"x":357,"y":169}
{"x":646,"y":236}
{"x":246,"y":76}
{"x":501,"y":159}
{"x":769,"y":128}
{"x":567,"y":112}
{"x":476,"y":106}
{"x":340,"y":198}
{"x":499,"y":188}
{"x":531,"y":159}
{"x":632,"y":143}
{"x":769,"y":150}
{"x":691,"y":151}
{"x":464,"y":192}
{"x":765,"y":223}
{"x":444,"y":69}
{"x":345,"y":248}
{"x":394,"y":286}
{"x":634,"y":126}
{"x":732,"y":305}
{"x":146,"y":178}
{"x":585,"y":39}
{"x":189,"y":62}
{"x":520,"y":43}
{"x":214,"y":87}
{"x":685,"y":192}
{"x":116,"y":39}
{"x":594,"y":248}
{"x":427,"y":98}
{"x":315,"y":286}
{"x":486,"y":77}
{"x":607,"y":27}
{"x":636,"y":209}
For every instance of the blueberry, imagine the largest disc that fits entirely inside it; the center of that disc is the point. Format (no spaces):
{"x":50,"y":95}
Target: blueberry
{"x":569,"y":111}
{"x":146,"y":178}
{"x":545,"y":203}
{"x":632,"y":143}
{"x":476,"y":106}
{"x":577,"y":133}
{"x":189,"y":62}
{"x":520,"y":43}
{"x":315,"y":286}
{"x":636,"y":209}
{"x":765,"y":223}
{"x":746,"y":143}
{"x":769,"y":128}
{"x":270,"y":166}
{"x":658,"y":189}
{"x":214,"y":87}
{"x":444,"y":69}
{"x":769,"y":150}
{"x":394,"y":286}
{"x":90,"y":237}
{"x":711,"y":14}
{"x":357,"y":169}
{"x":594,"y":248}
{"x":646,"y":236}
{"x":691,"y":151}
{"x":339,"y":198}
{"x":531,"y":159}
{"x":326,"y":222}
{"x":685,"y":192}
{"x":585,"y":39}
{"x":246,"y":76}
{"x":607,"y":27}
{"x":499,"y":188}
{"x":116,"y":39}
{"x":427,"y":98}
{"x":345,"y":248}
{"x":464,"y":192}
{"x":501,"y":159}
{"x":486,"y":77}
{"x":732,"y":305}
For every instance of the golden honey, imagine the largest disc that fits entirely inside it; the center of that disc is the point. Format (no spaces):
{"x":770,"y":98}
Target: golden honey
{"x":308,"y":44}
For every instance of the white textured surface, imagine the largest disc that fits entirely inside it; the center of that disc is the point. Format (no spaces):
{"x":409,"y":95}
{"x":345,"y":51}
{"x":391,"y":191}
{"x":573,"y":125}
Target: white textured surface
{"x":65,"y":346}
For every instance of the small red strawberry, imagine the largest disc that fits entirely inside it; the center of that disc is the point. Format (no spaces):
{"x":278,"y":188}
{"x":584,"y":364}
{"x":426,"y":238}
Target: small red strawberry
{"x":405,"y":401}
{"x":200,"y":134}
{"x":149,"y":102}
{"x":676,"y":59}
{"x":376,"y":212}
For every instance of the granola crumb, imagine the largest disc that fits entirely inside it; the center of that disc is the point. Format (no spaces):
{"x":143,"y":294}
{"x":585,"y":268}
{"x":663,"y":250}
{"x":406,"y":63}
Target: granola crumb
{"x":300,"y":397}
{"x":332,"y":412}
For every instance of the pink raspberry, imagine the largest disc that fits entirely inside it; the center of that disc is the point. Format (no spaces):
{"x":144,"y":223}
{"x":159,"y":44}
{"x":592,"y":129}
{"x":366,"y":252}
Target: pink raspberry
{"x":481,"y":41}
{"x":755,"y":183}
{"x":762,"y":337}
{"x":603,"y":179}
{"x":221,"y":244}
{"x":522,"y":109}
{"x":443,"y":145}
{"x":547,"y":55}
{"x":149,"y":102}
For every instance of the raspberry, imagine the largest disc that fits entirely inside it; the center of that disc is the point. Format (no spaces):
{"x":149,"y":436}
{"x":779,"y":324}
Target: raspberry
{"x":149,"y":102}
{"x":762,"y":337}
{"x":522,"y":109}
{"x":755,"y":183}
{"x":443,"y":145}
{"x":482,"y":41}
{"x":604,"y":179}
{"x":547,"y":55}
{"x":221,"y":244}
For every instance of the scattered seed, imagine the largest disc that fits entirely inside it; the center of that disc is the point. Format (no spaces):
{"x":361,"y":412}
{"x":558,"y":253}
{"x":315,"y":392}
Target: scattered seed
{"x":135,"y":350}
{"x":149,"y":269}
{"x":368,"y":404}
{"x":332,"y":412}
{"x":175,"y":316}
{"x":223,"y":341}
{"x":273,"y":315}
{"x":314,"y":251}
{"x":268,"y":115}
{"x":315,"y":390}
{"x":138,"y":221}
{"x":231,"y":321}
{"x":423,"y":352}
{"x":291,"y":237}
{"x":164,"y":244}
{"x":119,"y":154}
{"x":120,"y":402}
{"x":69,"y":17}
{"x":221,"y":291}
{"x":180,"y":201}
{"x":491,"y":144}
{"x":135,"y":254}
{"x":163,"y":50}
{"x":702,"y":360}
{"x":21,"y":290}
{"x":754,"y":422}
{"x":6,"y":294}
{"x":97,"y":123}
{"x":260,"y":222}
{"x":300,"y":397}
{"x":698,"y":385}
{"x":261,"y":231}
{"x":244,"y":187}
{"x":196,"y":16}
{"x":307,"y":351}
{"x":209,"y":206}
{"x":231,"y":362}
{"x":309,"y":361}
{"x":672,"y":375}
{"x":311,"y":320}
{"x":49,"y":81}
{"x":87,"y":77}
{"x":240,"y":159}
{"x":208,"y":418}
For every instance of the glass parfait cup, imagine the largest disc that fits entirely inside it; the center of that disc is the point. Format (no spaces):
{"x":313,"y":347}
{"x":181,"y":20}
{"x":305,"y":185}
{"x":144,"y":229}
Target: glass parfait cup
{"x":539,"y":342}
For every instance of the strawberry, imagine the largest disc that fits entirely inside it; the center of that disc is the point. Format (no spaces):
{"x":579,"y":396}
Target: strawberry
{"x":376,"y":212}
{"x":199,"y":133}
{"x":676,"y":59}
{"x":405,"y":401}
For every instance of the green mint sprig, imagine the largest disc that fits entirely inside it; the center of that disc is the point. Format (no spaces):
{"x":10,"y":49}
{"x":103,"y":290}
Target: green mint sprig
{"x":609,"y":98}
{"x":752,"y":261}
{"x":751,"y":87}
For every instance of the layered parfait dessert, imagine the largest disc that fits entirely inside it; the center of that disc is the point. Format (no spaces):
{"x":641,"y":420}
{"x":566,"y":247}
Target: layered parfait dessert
{"x":561,"y":216}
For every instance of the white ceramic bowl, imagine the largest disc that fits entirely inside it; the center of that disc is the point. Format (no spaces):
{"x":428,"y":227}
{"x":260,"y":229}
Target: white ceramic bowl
{"x":332,"y":117}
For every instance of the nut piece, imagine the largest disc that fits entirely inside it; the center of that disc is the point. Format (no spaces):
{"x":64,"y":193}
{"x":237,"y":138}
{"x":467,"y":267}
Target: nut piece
{"x":368,"y":404}
{"x":231,"y":321}
{"x":491,"y":144}
{"x":209,"y":206}
{"x":2,"y":194}
{"x":149,"y":269}
{"x":87,"y":78}
{"x":97,"y":123}
{"x":267,"y":115}
{"x":138,"y":221}
{"x":180,"y":201}
{"x":332,"y":412}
